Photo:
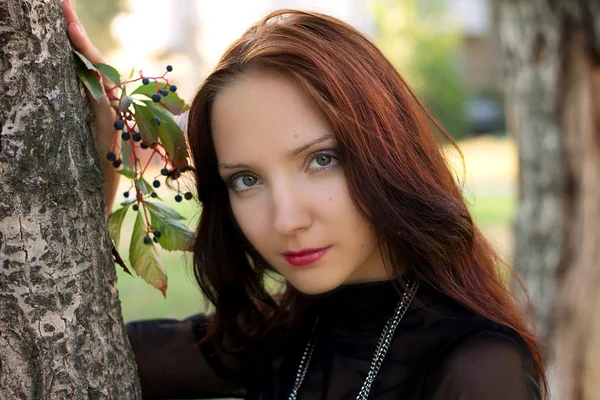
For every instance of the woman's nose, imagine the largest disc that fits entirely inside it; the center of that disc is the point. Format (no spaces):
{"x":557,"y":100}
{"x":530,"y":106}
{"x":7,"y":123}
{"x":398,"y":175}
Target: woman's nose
{"x":290,"y":211}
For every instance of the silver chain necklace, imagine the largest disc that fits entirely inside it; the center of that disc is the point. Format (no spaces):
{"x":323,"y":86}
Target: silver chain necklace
{"x":380,"y":351}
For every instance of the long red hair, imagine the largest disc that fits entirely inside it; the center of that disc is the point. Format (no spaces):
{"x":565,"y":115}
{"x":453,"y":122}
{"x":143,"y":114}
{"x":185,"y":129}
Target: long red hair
{"x":392,"y":151}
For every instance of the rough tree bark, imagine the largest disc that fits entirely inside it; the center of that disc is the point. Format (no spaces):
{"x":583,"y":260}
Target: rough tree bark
{"x":552,"y":49}
{"x":61,"y":331}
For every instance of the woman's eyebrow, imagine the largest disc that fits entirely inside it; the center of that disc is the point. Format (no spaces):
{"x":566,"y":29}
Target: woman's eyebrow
{"x":291,"y":154}
{"x":308,"y":145}
{"x":232,"y":166}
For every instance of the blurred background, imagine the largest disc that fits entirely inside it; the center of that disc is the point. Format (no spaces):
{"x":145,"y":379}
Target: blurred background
{"x":446,"y":49}
{"x":456,"y":54}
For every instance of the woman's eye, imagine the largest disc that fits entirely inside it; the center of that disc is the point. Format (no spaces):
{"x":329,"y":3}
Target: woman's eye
{"x":323,"y":161}
{"x":243,"y":182}
{"x":318,"y":162}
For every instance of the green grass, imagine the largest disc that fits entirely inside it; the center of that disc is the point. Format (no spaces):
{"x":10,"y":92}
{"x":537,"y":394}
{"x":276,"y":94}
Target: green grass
{"x":141,"y":301}
{"x":492,"y":210}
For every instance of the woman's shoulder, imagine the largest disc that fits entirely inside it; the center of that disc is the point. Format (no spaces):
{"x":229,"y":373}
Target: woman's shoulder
{"x":485,"y":365}
{"x":473,"y":357}
{"x":438,"y":312}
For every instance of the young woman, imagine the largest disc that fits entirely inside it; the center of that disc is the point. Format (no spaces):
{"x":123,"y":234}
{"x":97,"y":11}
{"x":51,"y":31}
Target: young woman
{"x":316,"y":161}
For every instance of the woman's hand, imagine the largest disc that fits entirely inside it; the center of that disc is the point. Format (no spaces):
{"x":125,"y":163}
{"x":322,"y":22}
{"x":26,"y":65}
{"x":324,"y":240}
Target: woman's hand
{"x":104,"y":114}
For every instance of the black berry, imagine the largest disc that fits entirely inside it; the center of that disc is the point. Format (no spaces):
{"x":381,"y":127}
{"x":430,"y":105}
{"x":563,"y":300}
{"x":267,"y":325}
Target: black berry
{"x":145,"y":81}
{"x":169,"y":68}
{"x":125,"y":135}
{"x":156,"y":183}
{"x":157,"y":233}
{"x":136,"y":137}
{"x":155,"y":239}
{"x":135,"y":207}
{"x":156,"y":97}
{"x":157,"y":120}
{"x":173,"y":88}
{"x":110,"y":156}
{"x":126,"y":194}
{"x":164,"y":92}
{"x":117,"y":163}
{"x":129,"y":117}
{"x":188,"y":195}
{"x":147,"y":240}
{"x":153,"y":194}
{"x":119,"y":125}
{"x":164,"y":172}
{"x":175,"y":174}
{"x":178,"y":198}
{"x":143,"y":145}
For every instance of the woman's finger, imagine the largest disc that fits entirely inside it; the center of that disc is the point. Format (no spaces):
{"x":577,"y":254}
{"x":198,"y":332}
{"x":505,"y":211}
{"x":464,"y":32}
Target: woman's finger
{"x":78,"y":36}
{"x":69,"y":12}
{"x":82,"y":44}
{"x":91,"y":53}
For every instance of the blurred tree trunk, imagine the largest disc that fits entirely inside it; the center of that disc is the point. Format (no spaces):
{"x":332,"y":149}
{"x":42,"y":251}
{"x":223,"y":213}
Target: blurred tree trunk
{"x":61,"y":331}
{"x":552,"y":68}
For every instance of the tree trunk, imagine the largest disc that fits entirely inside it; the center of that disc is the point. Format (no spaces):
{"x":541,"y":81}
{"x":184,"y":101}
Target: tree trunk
{"x":61,"y":331}
{"x":551,"y":53}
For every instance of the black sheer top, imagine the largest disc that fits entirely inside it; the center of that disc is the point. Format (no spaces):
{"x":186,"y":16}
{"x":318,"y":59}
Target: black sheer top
{"x":440,"y":351}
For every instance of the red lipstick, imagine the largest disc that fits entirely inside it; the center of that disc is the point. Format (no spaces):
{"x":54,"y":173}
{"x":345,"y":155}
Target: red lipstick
{"x":305,"y":256}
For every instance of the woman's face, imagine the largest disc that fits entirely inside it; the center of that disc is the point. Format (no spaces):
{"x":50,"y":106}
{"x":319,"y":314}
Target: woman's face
{"x":279,"y":158}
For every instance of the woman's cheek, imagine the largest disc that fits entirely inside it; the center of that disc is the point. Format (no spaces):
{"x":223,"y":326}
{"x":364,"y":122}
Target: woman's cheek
{"x":252,"y":220}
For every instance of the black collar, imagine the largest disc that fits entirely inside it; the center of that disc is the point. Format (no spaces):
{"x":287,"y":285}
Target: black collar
{"x":359,"y":307}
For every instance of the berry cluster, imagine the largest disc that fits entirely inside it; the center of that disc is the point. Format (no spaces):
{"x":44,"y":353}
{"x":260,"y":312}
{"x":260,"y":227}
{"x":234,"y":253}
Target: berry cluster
{"x":162,"y":92}
{"x":128,"y":130}
{"x":127,"y":125}
{"x":156,"y":184}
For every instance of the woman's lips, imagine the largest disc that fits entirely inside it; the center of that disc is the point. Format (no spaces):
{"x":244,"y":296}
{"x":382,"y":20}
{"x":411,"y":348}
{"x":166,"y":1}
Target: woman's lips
{"x":305,"y":257}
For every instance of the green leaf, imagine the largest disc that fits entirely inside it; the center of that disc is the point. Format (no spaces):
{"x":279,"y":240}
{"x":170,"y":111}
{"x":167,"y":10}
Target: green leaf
{"x":85,"y":61}
{"x":91,"y":82}
{"x":131,"y":73}
{"x":149,"y":89}
{"x":126,"y":157}
{"x":171,"y":135}
{"x":126,"y":172}
{"x":143,"y":186}
{"x":162,"y":210}
{"x":144,"y":257}
{"x":175,"y":236}
{"x":128,"y":201}
{"x":115,"y":221}
{"x":146,"y":124}
{"x":173,"y":103}
{"x":157,"y":197}
{"x":110,"y":72}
